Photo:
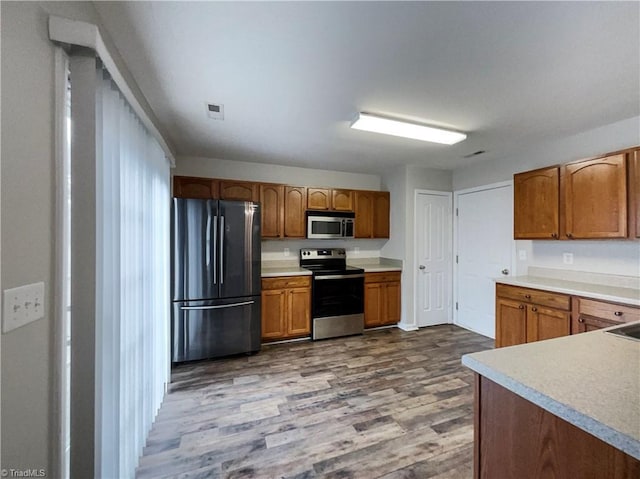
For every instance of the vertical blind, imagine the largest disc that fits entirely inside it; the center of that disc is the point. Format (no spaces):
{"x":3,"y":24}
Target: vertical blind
{"x":132,"y":281}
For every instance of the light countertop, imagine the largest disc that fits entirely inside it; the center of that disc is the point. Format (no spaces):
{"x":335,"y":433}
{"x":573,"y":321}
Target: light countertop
{"x":272,"y":269}
{"x":616,"y":294}
{"x":590,"y":380}
{"x":272,"y":272}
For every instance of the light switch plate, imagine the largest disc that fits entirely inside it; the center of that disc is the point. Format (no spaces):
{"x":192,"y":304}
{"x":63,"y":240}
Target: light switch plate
{"x":522,"y":254}
{"x":22,"y":305}
{"x":287,"y":252}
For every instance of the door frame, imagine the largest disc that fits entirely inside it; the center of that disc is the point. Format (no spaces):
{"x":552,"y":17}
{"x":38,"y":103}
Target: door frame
{"x":456,"y":200}
{"x":413,"y":263}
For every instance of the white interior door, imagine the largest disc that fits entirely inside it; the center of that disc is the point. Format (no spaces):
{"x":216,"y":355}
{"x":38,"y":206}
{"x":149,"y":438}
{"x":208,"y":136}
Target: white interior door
{"x":433,"y":258}
{"x":484,"y":249}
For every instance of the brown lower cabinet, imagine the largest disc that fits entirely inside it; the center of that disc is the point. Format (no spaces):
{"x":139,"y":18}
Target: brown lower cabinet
{"x":514,"y":438}
{"x":381,"y":299}
{"x":525,"y":315}
{"x":591,"y":314}
{"x":286,"y":307}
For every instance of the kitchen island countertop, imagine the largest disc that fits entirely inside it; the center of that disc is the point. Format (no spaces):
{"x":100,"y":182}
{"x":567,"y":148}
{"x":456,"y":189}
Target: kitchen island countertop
{"x":590,"y":380}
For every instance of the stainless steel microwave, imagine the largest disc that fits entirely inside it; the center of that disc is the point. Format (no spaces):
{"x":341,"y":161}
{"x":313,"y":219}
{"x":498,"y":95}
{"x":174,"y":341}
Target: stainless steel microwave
{"x":330,"y":224}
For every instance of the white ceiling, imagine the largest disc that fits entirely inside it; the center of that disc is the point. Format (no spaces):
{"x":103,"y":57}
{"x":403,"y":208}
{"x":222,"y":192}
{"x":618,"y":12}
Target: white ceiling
{"x":293,"y":75}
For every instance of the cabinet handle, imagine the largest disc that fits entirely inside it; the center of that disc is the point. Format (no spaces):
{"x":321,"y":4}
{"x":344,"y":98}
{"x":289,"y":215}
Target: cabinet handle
{"x":618,"y":313}
{"x":521,"y":307}
{"x":581,"y":320}
{"x":528,"y":296}
{"x":534,"y":309}
{"x":569,"y":235}
{"x":554,"y":235}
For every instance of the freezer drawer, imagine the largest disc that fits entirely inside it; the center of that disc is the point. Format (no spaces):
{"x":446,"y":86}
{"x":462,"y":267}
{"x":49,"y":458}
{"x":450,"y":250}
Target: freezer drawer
{"x":212,"y":329}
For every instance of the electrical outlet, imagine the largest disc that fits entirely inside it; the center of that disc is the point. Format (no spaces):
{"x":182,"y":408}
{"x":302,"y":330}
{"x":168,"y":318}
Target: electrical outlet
{"x":286,"y":251}
{"x":522,"y":254}
{"x":356,"y":250}
{"x":22,"y":305}
{"x":567,"y":258}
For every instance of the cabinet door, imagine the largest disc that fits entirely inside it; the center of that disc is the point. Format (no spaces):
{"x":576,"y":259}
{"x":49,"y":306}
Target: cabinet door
{"x":634,"y":194}
{"x":364,"y":214}
{"x":238,"y":190}
{"x":392,"y":300}
{"x":546,"y":323}
{"x":595,"y":198}
{"x":190,"y":187}
{"x":381,"y":209}
{"x":536,"y":204}
{"x":299,"y":314}
{"x":318,"y":198}
{"x":511,"y":323}
{"x":373,"y":304}
{"x":295,"y":200}
{"x":272,"y":200}
{"x":342,"y":200}
{"x":274,"y":314}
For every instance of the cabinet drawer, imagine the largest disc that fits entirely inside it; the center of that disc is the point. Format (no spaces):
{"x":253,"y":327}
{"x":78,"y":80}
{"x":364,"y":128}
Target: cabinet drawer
{"x":534,"y":296}
{"x":608,"y":311}
{"x":286,"y":282}
{"x":382,"y":277}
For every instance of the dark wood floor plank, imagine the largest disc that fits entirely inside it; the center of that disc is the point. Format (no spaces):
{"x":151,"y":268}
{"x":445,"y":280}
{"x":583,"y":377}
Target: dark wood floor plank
{"x":389,"y":404}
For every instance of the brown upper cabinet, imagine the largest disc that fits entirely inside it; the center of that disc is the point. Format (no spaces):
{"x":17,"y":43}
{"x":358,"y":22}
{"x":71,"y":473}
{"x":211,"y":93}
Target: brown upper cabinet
{"x":342,"y":200}
{"x":295,"y":201}
{"x":329,"y":199}
{"x":595,"y":198}
{"x":191,"y":187}
{"x":272,"y":200}
{"x":588,"y":199}
{"x":318,"y":198}
{"x":239,"y":190}
{"x":536,"y":204}
{"x":372,"y":214}
{"x":634,"y":193}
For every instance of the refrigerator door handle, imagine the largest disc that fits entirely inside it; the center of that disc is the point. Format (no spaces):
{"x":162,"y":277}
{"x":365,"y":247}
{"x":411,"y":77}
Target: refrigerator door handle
{"x":221,"y":306}
{"x":222,"y":249}
{"x":213,"y":248}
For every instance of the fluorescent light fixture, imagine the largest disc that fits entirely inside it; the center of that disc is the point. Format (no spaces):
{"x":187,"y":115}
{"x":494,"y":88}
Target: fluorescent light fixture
{"x":387,"y":126}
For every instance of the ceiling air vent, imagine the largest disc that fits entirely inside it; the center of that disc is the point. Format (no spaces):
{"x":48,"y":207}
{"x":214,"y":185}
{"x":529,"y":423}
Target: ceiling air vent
{"x":215,"y":111}
{"x":476,"y":153}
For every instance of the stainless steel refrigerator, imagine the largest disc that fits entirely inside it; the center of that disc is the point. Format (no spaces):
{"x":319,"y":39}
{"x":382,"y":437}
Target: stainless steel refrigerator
{"x":215,"y":278}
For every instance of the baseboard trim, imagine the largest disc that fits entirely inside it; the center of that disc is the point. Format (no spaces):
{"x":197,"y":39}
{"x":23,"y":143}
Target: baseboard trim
{"x":408,"y":327}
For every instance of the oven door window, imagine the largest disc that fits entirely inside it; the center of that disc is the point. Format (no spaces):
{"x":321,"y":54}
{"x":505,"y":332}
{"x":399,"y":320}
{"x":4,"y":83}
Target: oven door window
{"x":319,"y":227}
{"x":338,"y":297}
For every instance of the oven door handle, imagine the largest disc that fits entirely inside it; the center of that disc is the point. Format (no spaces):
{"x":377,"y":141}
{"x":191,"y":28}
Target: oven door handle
{"x":338,"y":276}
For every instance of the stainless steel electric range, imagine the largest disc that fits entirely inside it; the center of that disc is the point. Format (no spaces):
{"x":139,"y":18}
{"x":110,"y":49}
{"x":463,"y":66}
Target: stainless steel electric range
{"x":337,"y":295}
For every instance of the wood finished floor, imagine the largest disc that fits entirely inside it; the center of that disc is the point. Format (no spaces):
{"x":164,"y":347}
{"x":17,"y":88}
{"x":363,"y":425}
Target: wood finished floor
{"x":388,"y":404}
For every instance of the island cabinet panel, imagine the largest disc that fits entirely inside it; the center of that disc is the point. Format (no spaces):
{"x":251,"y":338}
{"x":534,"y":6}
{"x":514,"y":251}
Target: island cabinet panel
{"x":634,"y":193}
{"x":272,"y":201}
{"x":591,"y":314}
{"x":239,"y":190}
{"x":525,"y":315}
{"x":342,"y":200}
{"x":514,"y":438}
{"x":295,"y":203}
{"x":381,"y":299}
{"x":286,"y":307}
{"x":318,"y":198}
{"x":191,"y":187}
{"x":595,"y":198}
{"x":536,"y":204}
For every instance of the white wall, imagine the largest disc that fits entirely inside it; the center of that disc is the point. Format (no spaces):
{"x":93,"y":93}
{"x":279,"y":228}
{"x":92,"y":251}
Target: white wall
{"x":402,"y":183}
{"x":608,"y":257}
{"x":242,"y":170}
{"x":28,"y":186}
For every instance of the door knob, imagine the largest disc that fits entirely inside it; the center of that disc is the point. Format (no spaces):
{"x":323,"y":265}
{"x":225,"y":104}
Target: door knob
{"x":422,"y":266}
{"x":505,"y":271}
